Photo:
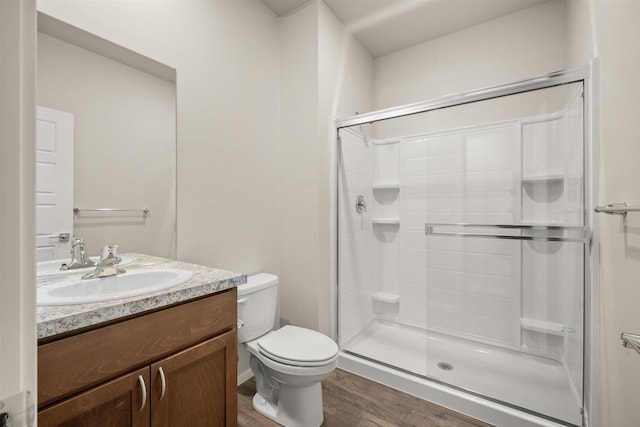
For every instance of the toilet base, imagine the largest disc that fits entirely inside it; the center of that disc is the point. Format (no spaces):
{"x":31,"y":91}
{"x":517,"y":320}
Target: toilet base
{"x":295,"y":408}
{"x":264,"y":407}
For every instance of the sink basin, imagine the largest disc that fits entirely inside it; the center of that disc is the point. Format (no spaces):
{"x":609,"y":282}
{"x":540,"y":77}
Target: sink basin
{"x":52,"y":268}
{"x":77,"y":291}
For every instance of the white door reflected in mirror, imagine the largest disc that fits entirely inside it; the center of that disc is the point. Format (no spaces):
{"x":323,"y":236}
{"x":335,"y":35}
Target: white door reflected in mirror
{"x":54,"y":184}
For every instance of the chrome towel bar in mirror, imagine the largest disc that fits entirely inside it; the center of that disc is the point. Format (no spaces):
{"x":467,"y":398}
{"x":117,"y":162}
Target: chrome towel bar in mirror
{"x":145,"y":211}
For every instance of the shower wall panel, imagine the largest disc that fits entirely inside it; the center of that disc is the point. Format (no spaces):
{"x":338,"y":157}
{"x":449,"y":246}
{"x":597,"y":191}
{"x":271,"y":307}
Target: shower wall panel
{"x":354,"y":244}
{"x":469,"y":288}
{"x":385,"y":207}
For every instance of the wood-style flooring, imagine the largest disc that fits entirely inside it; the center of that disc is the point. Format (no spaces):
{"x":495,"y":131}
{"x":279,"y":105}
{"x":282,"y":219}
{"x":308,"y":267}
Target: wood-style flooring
{"x":353,"y":401}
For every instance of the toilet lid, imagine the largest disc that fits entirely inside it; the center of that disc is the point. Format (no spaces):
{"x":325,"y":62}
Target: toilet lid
{"x":298,"y":346}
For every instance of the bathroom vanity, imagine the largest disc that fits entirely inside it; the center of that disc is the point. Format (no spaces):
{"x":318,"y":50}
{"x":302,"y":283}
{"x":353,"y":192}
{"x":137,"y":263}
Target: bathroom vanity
{"x":160,"y":359}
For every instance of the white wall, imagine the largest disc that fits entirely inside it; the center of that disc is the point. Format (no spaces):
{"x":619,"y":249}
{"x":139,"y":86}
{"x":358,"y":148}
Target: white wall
{"x":325,"y":73}
{"x":299,"y":153}
{"x":17,"y":199}
{"x":125,"y":145}
{"x":609,"y":30}
{"x":226,"y":54}
{"x":516,"y":46}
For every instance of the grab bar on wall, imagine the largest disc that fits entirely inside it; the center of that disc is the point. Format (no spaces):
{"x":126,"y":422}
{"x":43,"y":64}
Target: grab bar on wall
{"x":145,"y":211}
{"x":617,"y":209}
{"x":548,"y":233}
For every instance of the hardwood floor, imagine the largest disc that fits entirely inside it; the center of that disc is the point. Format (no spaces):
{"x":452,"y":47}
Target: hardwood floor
{"x":353,"y":401}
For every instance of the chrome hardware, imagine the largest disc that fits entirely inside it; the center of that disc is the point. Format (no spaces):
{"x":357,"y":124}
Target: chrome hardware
{"x":145,"y":211}
{"x":539,"y":82}
{"x":240,"y":323}
{"x":143,"y":388}
{"x":108,"y":265}
{"x":630,"y":341}
{"x":163,"y":383}
{"x":617,"y":209}
{"x":549,"y":233}
{"x":61,"y":237}
{"x":361,"y":204}
{"x":79,"y":258}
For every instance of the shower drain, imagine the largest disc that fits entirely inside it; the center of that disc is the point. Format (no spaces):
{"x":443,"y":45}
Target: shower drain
{"x":445,"y":366}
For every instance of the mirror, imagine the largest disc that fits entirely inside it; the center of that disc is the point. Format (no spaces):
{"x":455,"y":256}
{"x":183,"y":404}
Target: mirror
{"x":106,"y":157}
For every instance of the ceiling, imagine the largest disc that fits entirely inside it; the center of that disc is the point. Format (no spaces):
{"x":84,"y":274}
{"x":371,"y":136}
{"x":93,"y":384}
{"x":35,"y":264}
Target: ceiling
{"x":385,"y":26}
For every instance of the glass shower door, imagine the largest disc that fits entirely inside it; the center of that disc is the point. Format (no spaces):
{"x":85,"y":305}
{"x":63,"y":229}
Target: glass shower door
{"x":461,"y":246}
{"x":505,"y":252}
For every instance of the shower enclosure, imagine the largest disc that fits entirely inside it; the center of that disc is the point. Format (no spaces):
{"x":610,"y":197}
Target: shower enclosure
{"x":464,"y":235}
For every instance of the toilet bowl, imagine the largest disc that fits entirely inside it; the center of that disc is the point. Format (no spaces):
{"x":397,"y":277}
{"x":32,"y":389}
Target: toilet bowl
{"x":289,"y":363}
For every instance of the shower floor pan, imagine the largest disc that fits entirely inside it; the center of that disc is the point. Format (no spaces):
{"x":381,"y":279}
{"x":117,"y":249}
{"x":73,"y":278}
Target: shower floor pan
{"x":534,"y":384}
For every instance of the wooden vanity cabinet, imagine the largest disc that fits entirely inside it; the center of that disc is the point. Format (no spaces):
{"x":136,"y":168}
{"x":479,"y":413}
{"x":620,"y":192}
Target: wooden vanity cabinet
{"x":195,"y":386}
{"x":173,"y":367}
{"x":120,"y":402}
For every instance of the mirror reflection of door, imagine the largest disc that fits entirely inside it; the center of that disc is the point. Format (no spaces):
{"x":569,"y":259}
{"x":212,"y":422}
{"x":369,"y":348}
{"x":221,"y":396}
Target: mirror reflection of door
{"x":54,"y":184}
{"x":123,"y":159}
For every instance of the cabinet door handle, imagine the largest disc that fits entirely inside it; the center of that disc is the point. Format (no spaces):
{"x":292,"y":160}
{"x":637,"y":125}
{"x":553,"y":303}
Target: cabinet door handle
{"x":143,"y":388}
{"x":163,"y":382}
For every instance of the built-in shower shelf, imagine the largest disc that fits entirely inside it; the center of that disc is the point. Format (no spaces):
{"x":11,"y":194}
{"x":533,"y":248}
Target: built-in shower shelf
{"x":386,"y":221}
{"x":542,"y":179}
{"x":386,"y":297}
{"x":543,"y":326}
{"x":387,"y":186}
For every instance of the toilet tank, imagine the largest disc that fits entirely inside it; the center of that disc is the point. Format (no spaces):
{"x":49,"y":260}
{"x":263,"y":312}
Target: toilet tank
{"x":257,"y":301}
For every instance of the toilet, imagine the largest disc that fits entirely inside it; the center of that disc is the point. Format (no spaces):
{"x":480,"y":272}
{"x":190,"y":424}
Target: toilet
{"x":288,"y":363}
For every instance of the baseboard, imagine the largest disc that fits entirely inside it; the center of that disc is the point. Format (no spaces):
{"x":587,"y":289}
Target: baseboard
{"x":244,"y":376}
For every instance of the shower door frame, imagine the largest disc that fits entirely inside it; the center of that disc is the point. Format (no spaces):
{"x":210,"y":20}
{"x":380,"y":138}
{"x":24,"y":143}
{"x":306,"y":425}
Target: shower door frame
{"x":588,"y":76}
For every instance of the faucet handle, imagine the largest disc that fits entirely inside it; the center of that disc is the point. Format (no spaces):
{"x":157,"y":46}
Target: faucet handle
{"x":108,"y":265}
{"x":109,"y":251}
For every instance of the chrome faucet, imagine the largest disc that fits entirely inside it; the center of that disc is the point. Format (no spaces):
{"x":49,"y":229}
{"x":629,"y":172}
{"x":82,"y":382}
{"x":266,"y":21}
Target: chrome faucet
{"x":108,"y":264}
{"x":79,"y":258}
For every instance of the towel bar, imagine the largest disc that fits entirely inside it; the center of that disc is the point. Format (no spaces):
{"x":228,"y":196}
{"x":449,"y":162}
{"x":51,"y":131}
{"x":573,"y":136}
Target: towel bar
{"x":549,"y":233}
{"x":617,"y":209}
{"x":144,"y":211}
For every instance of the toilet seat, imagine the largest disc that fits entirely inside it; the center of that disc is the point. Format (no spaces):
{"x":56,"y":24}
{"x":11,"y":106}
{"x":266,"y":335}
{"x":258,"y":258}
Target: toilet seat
{"x":292,"y":345}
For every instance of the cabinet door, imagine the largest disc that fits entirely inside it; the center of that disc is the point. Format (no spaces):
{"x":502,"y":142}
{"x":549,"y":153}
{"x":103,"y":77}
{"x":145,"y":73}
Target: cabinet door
{"x":123,"y":402}
{"x":197,"y":387}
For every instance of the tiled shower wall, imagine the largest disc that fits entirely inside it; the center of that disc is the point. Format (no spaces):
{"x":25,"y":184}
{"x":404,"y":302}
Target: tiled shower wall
{"x":464,"y":287}
{"x":479,"y":289}
{"x":354,"y":242}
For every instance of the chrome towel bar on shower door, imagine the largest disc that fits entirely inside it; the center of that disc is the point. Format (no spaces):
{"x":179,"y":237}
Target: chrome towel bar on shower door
{"x":549,"y":233}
